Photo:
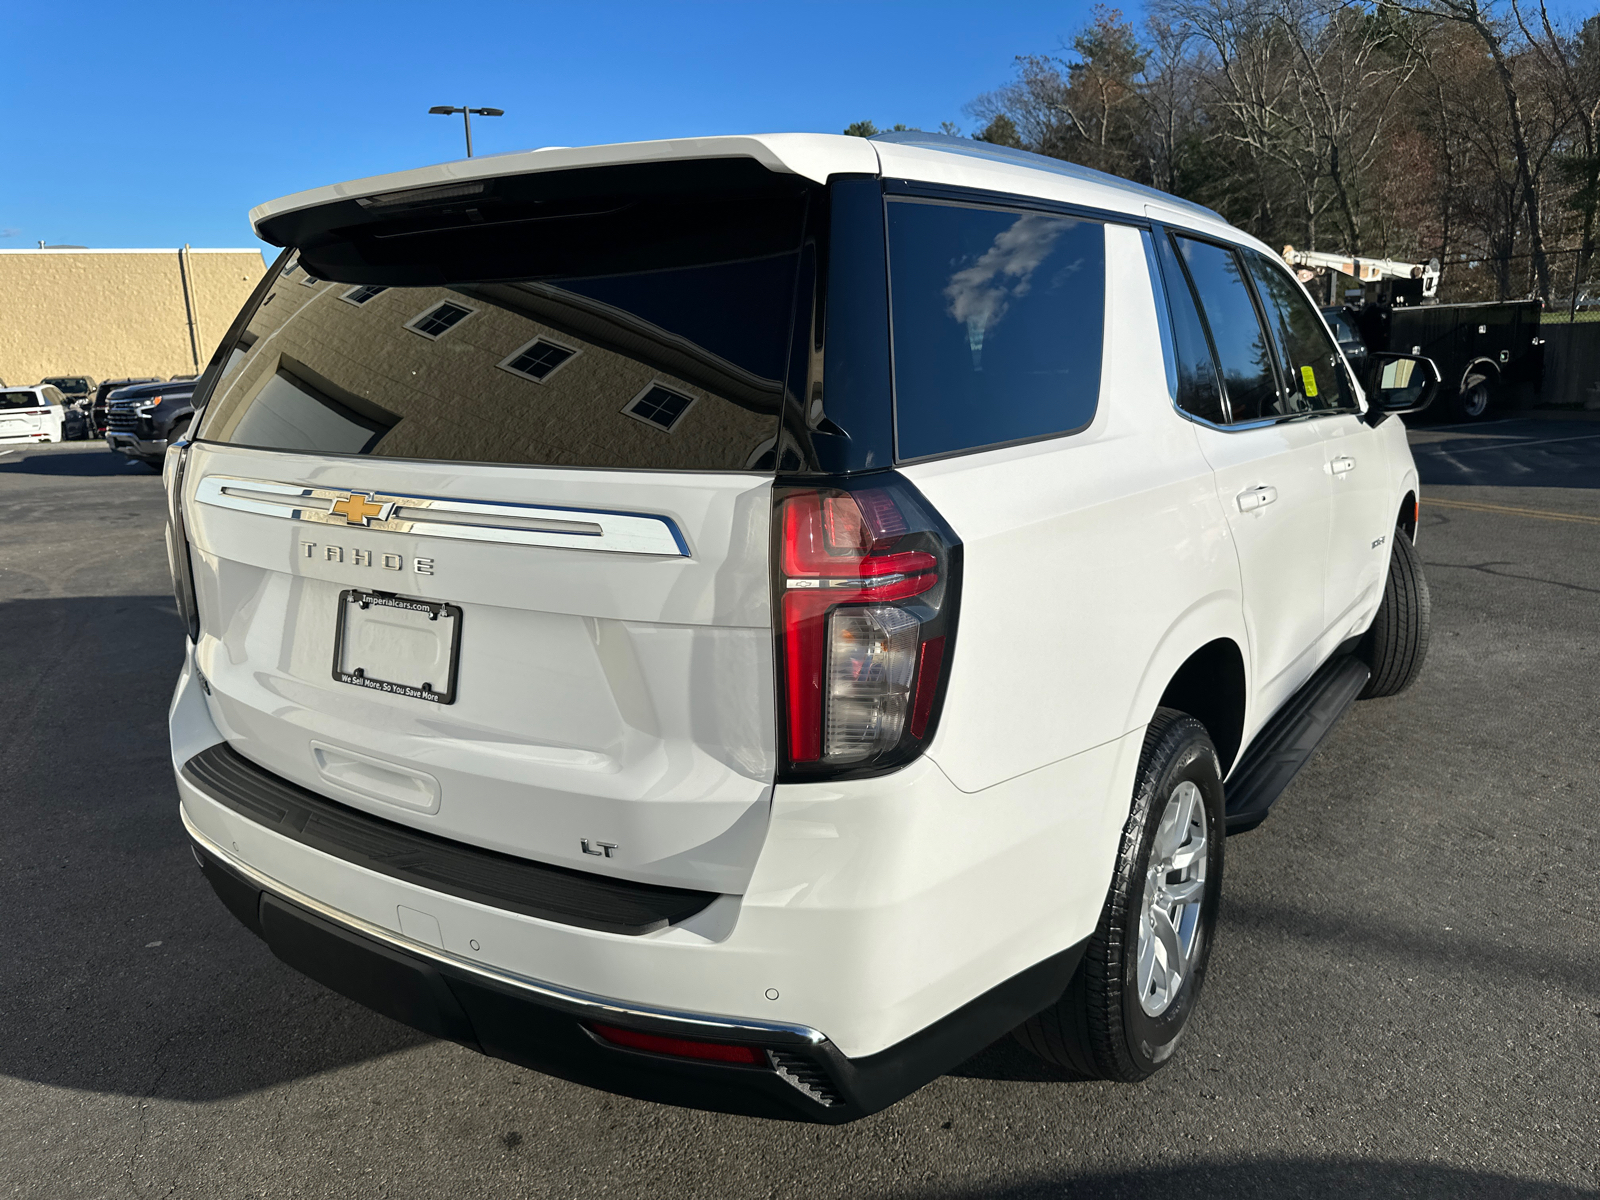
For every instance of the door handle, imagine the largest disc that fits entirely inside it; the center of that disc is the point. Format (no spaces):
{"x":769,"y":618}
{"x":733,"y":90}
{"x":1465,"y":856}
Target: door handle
{"x":1343,"y":464}
{"x":1256,"y":497}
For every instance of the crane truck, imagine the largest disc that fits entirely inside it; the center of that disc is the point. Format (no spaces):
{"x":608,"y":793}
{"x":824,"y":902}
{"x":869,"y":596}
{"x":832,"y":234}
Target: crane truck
{"x":1488,"y":354}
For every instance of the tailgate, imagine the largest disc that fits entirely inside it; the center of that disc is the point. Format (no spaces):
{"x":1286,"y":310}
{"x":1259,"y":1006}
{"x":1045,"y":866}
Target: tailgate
{"x":480,"y":501}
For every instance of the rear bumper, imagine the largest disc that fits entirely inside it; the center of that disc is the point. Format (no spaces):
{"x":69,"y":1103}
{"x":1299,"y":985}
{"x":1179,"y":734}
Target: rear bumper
{"x":892,"y":928}
{"x":801,"y":1074}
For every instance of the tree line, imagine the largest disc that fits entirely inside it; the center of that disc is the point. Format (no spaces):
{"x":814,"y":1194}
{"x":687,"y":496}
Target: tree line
{"x":1463,"y":130}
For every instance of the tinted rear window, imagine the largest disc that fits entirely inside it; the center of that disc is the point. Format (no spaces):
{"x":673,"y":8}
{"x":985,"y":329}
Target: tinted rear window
{"x":998,"y":321}
{"x":619,"y":332}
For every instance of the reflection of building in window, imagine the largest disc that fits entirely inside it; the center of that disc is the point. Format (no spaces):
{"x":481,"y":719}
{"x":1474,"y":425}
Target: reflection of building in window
{"x":360,"y":295}
{"x":455,"y":398}
{"x":659,"y":407}
{"x":537,"y":360}
{"x":439,"y":320}
{"x":291,"y":413}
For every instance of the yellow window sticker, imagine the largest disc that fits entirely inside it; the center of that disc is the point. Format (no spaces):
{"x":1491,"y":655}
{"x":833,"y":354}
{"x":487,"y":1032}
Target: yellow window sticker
{"x":1310,"y":377}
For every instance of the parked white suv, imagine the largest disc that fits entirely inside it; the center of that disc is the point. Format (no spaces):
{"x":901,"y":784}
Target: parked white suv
{"x":33,"y":414}
{"x":749,"y":621}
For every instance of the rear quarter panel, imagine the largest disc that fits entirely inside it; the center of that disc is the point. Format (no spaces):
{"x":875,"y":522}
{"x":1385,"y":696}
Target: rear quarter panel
{"x":1094,"y":564}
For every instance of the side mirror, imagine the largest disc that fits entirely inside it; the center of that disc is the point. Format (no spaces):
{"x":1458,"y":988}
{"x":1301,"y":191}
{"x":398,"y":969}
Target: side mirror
{"x":1398,"y":383}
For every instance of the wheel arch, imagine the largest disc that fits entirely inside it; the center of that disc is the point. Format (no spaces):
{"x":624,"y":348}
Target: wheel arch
{"x":1406,"y":519}
{"x":1492,"y":373}
{"x":1210,"y":685}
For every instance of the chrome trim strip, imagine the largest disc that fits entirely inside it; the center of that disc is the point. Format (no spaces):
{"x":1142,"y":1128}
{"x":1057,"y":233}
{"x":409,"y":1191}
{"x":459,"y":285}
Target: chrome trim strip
{"x":599,"y":1006}
{"x":462,"y":520}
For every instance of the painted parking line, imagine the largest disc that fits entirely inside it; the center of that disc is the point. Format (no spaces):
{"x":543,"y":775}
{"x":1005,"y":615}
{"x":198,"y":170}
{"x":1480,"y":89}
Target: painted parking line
{"x":1542,"y":514}
{"x":1514,"y":445}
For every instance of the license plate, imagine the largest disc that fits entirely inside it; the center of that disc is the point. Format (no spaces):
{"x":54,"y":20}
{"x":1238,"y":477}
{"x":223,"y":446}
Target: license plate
{"x":403,"y":647}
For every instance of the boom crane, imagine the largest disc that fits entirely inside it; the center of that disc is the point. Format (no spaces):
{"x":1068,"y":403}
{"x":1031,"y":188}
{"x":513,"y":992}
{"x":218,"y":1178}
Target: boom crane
{"x":1366,"y":270}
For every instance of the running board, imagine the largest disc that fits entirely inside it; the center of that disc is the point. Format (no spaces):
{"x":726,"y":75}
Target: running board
{"x":1287,"y":741}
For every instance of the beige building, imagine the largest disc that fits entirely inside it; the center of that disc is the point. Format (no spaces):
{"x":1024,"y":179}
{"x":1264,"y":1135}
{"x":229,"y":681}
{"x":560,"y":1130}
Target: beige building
{"x":118,"y":313}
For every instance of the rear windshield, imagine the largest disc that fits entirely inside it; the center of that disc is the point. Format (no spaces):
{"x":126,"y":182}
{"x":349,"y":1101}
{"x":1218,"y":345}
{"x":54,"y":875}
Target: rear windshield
{"x":21,"y":400}
{"x":615,"y":331}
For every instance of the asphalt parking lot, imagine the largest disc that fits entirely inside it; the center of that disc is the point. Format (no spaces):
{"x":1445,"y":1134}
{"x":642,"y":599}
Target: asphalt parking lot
{"x":1404,"y":999}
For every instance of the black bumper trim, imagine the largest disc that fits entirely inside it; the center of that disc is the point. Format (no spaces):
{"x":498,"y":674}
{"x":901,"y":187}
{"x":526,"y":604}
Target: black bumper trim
{"x":810,"y":1082}
{"x":488,"y":877}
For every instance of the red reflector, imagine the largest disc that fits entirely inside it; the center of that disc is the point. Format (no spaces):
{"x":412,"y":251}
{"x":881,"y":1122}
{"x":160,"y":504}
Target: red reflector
{"x":928,"y":663}
{"x":680,"y":1047}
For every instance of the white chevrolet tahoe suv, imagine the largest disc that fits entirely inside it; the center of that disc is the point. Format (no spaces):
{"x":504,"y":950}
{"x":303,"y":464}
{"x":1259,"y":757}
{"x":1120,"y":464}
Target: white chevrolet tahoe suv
{"x":748,"y":621}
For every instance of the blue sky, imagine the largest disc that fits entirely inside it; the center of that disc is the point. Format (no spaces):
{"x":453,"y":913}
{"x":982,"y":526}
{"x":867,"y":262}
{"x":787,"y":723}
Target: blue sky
{"x":162,"y":123}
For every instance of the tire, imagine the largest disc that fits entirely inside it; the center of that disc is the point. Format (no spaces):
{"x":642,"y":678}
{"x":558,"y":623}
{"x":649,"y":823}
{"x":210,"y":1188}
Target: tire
{"x":1475,"y":398}
{"x":1397,"y":642}
{"x":1108,"y":1024}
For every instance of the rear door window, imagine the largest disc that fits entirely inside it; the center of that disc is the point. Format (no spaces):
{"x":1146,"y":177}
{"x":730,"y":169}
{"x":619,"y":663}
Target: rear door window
{"x":622,"y":332}
{"x":1243,"y":352}
{"x":998,"y":318}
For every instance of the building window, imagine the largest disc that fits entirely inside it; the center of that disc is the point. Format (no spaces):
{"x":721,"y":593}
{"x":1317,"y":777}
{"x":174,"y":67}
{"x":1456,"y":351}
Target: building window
{"x":659,"y":407}
{"x":360,"y":295}
{"x":310,"y":281}
{"x":538,"y":360}
{"x":438,"y":320}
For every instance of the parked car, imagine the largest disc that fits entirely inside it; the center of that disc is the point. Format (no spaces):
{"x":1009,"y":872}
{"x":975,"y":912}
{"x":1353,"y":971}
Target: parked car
{"x":79,"y":392}
{"x":97,"y":408}
{"x":76,"y":388}
{"x":141,"y":420}
{"x":814,"y":608}
{"x":33,"y":414}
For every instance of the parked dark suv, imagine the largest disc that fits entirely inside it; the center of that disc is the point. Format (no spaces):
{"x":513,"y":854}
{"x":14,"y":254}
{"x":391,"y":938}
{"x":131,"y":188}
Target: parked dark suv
{"x":102,"y":394}
{"x":141,"y":420}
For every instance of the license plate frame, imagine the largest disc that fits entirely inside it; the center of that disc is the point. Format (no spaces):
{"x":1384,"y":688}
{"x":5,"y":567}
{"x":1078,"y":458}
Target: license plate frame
{"x":361,"y":601}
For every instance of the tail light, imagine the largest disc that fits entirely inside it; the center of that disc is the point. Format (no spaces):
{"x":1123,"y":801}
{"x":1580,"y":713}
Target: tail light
{"x":178,"y":539}
{"x":866,"y":578}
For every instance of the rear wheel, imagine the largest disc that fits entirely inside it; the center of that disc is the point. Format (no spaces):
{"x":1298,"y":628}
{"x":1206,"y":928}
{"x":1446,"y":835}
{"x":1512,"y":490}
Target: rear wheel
{"x":1475,"y":398}
{"x":1131,"y":998}
{"x":1397,"y":643}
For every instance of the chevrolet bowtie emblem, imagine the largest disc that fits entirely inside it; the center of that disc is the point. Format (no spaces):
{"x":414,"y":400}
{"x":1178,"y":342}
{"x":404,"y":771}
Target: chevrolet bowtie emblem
{"x":359,"y":508}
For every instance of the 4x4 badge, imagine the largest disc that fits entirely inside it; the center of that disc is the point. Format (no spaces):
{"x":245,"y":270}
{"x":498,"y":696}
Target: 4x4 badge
{"x":360,"y":508}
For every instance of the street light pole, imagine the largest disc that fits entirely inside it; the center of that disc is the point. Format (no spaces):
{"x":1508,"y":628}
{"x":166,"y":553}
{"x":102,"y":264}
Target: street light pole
{"x":445,"y":110}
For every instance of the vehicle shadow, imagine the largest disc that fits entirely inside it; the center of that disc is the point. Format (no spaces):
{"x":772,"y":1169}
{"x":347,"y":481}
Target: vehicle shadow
{"x":122,"y":972}
{"x":84,"y":459}
{"x":1511,"y":453}
{"x":1270,"y":1179}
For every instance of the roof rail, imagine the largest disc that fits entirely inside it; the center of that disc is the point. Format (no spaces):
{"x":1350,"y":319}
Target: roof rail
{"x":1038,"y":162}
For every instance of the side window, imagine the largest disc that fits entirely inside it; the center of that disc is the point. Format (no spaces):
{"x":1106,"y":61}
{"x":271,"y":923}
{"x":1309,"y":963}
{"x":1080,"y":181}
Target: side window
{"x":1241,"y":344}
{"x":1310,"y":360}
{"x":998,"y":319}
{"x":1198,"y":391}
